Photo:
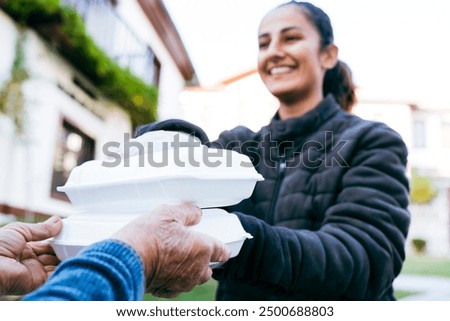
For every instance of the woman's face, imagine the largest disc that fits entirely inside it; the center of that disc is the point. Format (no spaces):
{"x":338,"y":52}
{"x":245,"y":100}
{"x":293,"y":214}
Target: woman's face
{"x":290,"y":60}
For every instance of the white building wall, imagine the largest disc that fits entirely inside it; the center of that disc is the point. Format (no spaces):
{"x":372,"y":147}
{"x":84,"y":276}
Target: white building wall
{"x":171,"y":86}
{"x":246,"y":103}
{"x":8,"y":39}
{"x":8,"y":36}
{"x":26,"y":162}
{"x":6,"y":131}
{"x":434,"y":156}
{"x":171,"y":80}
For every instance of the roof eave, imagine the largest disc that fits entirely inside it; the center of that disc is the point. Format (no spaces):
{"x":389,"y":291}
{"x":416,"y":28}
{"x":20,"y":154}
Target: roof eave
{"x":158,"y":16}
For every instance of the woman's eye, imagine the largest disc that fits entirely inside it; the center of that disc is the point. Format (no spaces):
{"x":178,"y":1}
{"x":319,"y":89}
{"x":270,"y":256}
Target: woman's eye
{"x":263,"y":45}
{"x":292,"y":38}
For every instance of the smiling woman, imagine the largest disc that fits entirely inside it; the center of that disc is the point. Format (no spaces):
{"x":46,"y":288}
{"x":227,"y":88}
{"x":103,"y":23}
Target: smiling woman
{"x":330,"y":219}
{"x":293,"y":58}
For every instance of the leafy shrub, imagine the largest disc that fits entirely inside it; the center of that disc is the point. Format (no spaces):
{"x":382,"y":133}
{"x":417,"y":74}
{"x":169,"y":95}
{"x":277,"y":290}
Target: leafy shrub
{"x":422,"y":189}
{"x":64,"y":28}
{"x":419,"y":245}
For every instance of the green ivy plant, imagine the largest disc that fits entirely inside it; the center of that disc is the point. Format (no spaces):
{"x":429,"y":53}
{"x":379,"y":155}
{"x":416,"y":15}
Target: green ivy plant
{"x":422,"y":189}
{"x":62,"y":26}
{"x":419,"y":245}
{"x":11,"y":95}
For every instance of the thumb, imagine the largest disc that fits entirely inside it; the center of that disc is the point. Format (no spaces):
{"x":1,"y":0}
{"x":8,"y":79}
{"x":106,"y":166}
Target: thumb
{"x":40,"y":231}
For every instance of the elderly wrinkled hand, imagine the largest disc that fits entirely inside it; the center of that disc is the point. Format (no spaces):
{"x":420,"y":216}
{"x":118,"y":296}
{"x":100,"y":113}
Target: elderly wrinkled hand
{"x":26,"y":263}
{"x":175,"y":258}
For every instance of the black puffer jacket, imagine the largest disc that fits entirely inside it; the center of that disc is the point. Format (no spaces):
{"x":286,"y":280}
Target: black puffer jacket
{"x":330,"y":220}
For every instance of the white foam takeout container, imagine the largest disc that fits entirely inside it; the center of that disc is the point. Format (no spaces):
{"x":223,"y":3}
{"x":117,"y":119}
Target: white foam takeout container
{"x":108,"y":197}
{"x":134,"y":185}
{"x":80,"y":231}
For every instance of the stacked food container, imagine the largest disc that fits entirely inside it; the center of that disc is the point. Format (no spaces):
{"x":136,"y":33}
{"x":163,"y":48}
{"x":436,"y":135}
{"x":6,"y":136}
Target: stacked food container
{"x":110,"y":193}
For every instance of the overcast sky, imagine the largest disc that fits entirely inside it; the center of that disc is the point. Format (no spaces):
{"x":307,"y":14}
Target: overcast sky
{"x":395,"y":47}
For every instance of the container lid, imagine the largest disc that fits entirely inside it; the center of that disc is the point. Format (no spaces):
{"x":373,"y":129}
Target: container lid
{"x":162,"y":155}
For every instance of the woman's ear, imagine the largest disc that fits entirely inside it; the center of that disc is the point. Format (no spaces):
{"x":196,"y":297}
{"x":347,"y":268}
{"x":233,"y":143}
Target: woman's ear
{"x":329,"y":56}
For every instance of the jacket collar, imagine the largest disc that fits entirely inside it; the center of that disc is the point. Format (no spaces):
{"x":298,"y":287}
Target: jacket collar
{"x":304,"y":124}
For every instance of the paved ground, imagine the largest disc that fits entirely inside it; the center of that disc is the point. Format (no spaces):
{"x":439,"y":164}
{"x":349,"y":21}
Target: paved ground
{"x":430,"y":288}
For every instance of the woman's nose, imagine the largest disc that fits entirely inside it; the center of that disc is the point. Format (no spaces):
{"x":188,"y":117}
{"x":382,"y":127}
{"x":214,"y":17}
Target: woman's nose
{"x":275,"y":50}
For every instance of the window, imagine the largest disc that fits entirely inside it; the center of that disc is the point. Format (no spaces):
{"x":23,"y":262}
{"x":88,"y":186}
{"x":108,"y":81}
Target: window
{"x":73,"y":148}
{"x":419,"y":134}
{"x":112,"y":34}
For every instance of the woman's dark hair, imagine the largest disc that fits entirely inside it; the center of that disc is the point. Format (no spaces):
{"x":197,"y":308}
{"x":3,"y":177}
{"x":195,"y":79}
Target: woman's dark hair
{"x":338,"y":80}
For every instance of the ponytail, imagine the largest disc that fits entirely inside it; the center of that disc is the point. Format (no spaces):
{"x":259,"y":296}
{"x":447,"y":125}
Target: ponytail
{"x":338,"y":82}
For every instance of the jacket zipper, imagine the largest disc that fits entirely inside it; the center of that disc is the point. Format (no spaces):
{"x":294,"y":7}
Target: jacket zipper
{"x":276,"y":192}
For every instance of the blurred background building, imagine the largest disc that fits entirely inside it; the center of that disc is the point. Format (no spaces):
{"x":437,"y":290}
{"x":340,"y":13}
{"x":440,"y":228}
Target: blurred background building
{"x":62,"y":99}
{"x":58,"y":107}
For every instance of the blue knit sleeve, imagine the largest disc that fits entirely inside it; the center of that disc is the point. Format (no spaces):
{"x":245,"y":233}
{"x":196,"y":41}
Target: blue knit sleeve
{"x":106,"y":271}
